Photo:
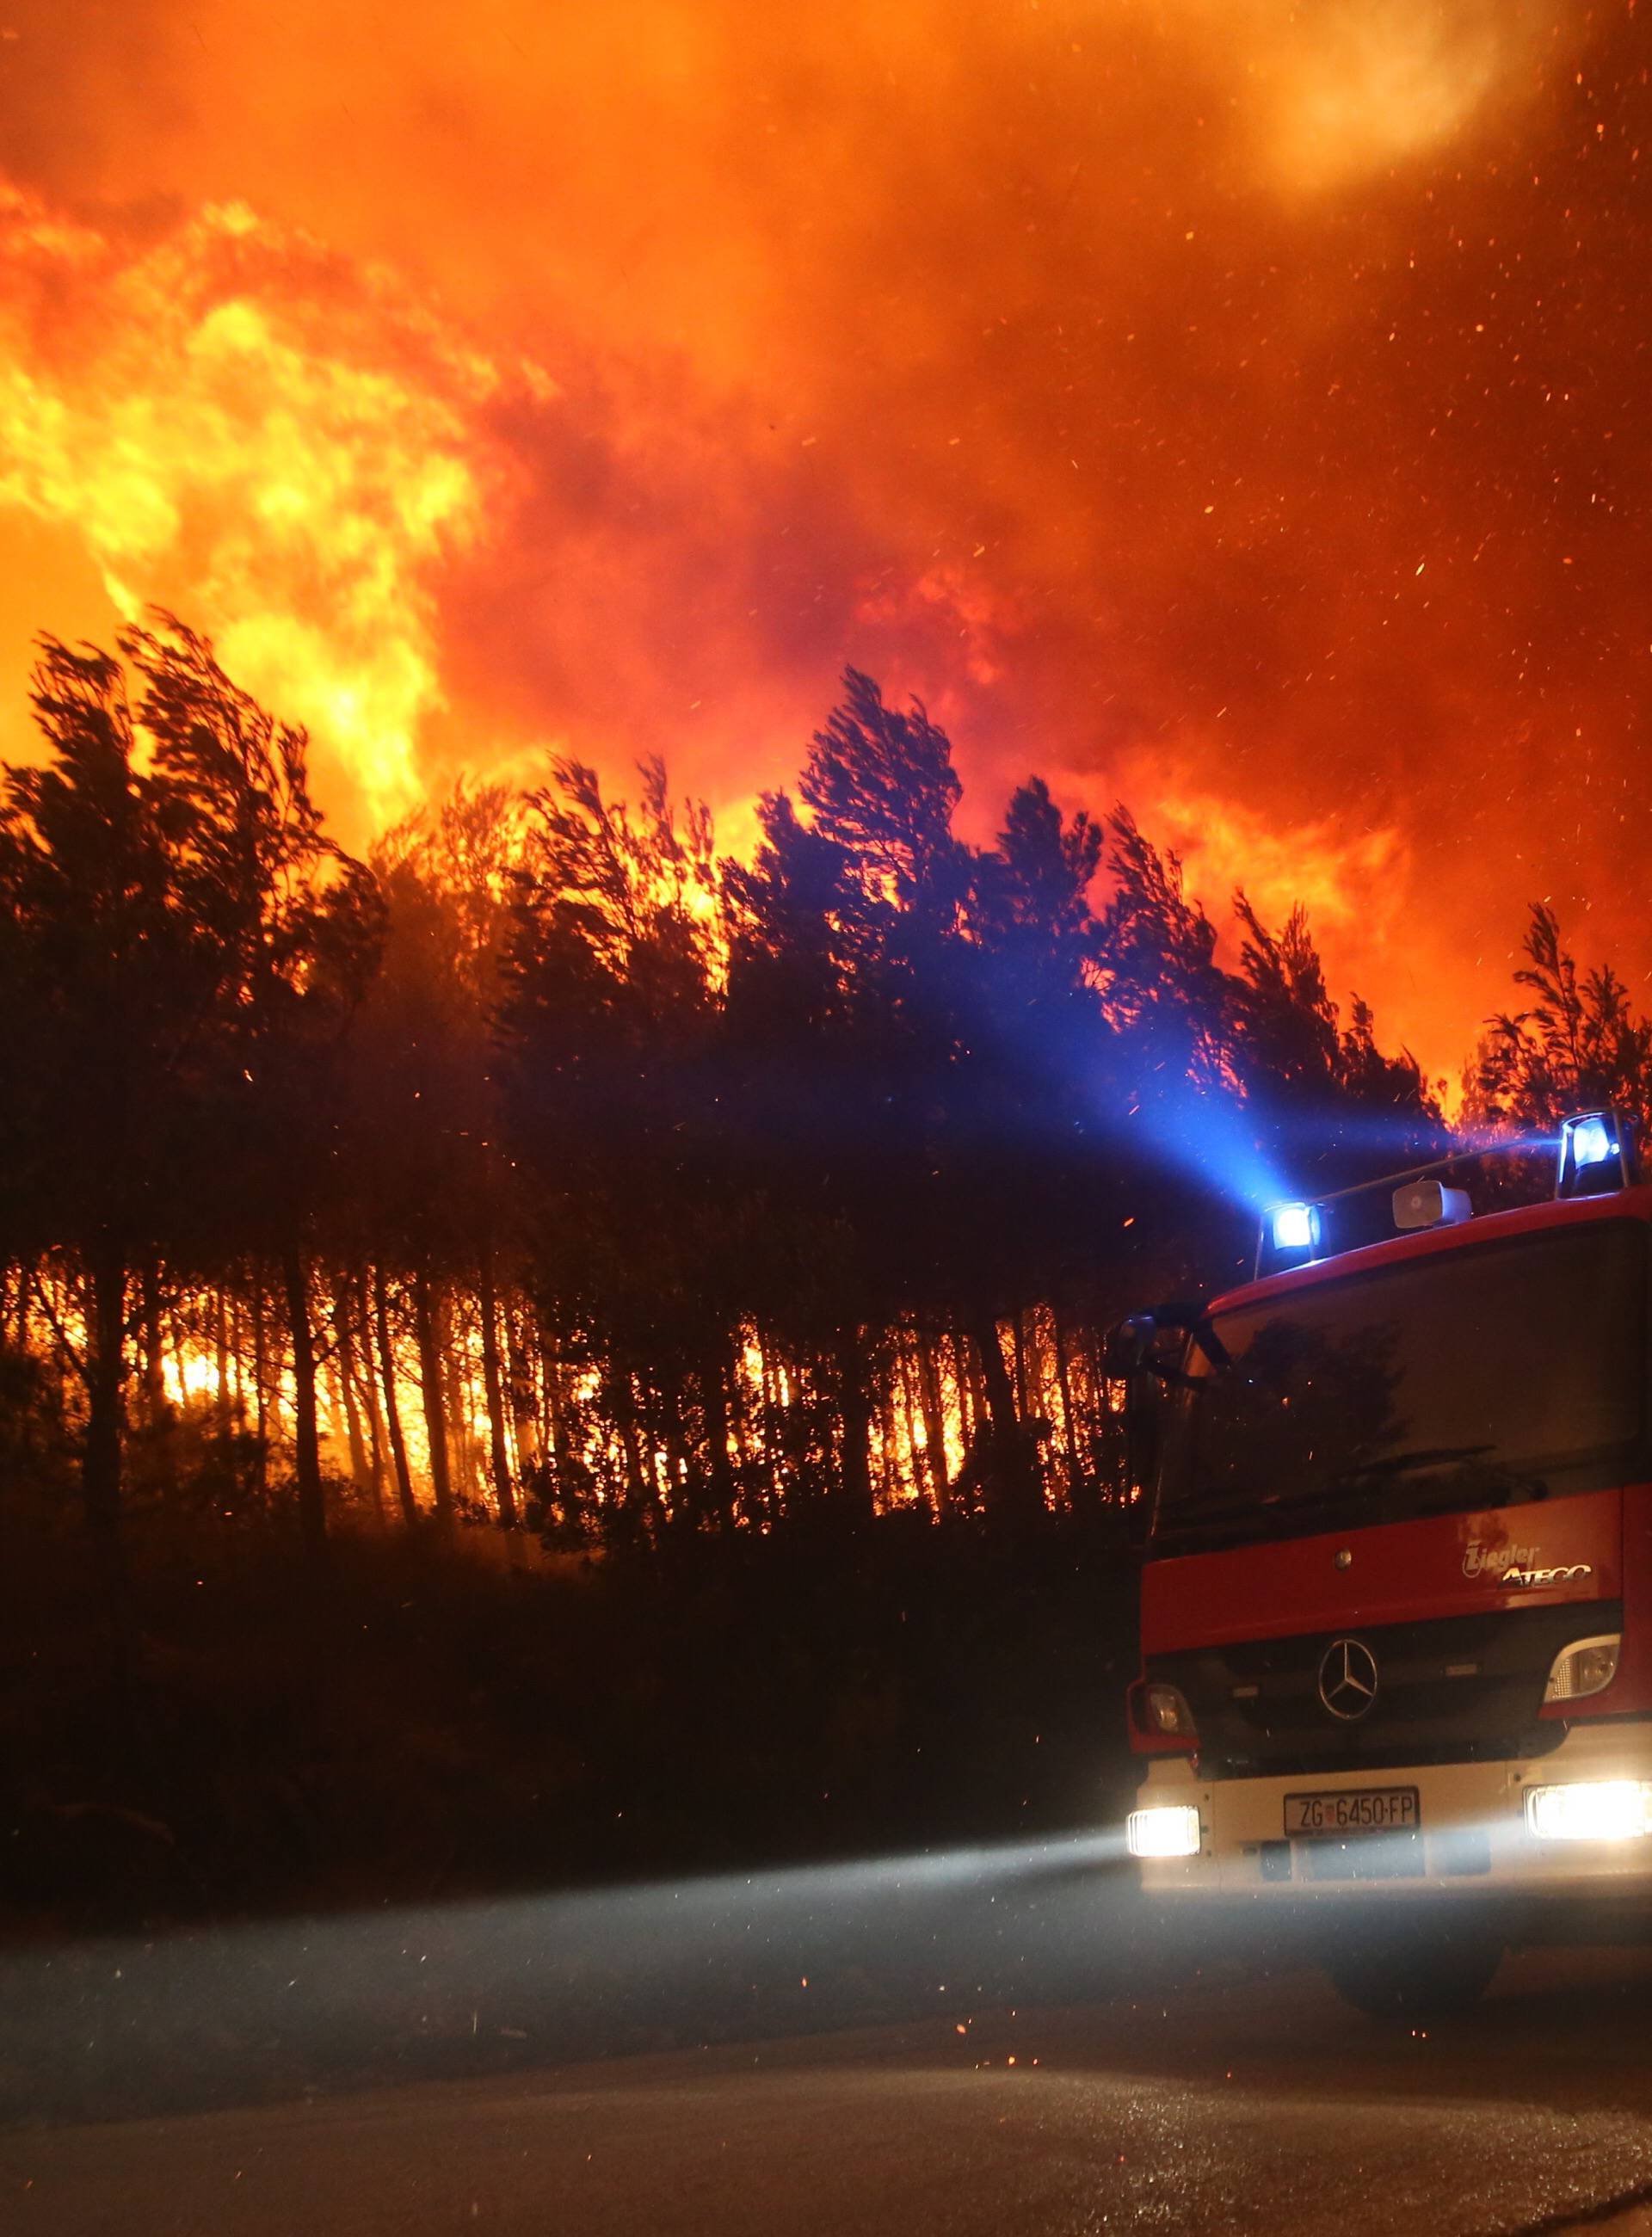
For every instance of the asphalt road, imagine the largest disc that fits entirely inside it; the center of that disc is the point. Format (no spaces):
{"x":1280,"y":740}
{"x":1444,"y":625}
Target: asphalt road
{"x":1243,"y":2100}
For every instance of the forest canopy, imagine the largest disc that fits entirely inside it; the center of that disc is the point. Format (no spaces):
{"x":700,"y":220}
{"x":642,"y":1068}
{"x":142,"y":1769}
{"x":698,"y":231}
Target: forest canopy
{"x":549,"y":1169}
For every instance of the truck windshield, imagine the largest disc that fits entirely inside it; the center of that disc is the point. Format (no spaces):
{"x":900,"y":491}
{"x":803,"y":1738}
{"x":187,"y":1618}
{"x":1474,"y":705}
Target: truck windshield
{"x":1481,"y":1376}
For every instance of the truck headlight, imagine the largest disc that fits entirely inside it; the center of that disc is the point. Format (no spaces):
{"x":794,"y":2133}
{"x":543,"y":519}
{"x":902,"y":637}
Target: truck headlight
{"x":1172,"y":1830}
{"x":1163,"y":1712}
{"x":1592,"y":1810}
{"x":1587,"y":1665}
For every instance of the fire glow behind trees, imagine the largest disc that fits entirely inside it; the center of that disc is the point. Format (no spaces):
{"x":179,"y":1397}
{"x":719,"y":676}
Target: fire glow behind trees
{"x":726,"y":1181}
{"x":1233,"y":408}
{"x":755,"y":1225}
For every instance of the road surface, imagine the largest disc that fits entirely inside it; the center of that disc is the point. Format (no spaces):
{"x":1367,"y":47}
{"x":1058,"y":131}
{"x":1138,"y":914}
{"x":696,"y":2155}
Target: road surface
{"x":1244,"y":2100}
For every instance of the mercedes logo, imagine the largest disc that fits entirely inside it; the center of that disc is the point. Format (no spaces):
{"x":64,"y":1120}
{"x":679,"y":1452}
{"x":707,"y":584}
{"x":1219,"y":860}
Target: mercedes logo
{"x":1348,"y":1679}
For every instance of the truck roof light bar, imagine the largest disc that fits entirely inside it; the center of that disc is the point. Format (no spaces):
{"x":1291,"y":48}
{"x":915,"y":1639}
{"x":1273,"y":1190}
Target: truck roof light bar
{"x":1595,"y":1152}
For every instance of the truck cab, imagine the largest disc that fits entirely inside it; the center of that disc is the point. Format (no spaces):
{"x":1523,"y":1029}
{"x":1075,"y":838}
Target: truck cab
{"x":1397,"y":1597}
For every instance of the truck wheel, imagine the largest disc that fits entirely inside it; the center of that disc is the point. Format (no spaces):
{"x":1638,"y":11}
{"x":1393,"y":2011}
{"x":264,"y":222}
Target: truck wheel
{"x":1412,"y":1972}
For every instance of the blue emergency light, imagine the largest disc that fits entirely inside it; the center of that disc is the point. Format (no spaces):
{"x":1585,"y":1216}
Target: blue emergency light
{"x":1592,"y":1142}
{"x":1295,"y":1227}
{"x":1592,"y":1162}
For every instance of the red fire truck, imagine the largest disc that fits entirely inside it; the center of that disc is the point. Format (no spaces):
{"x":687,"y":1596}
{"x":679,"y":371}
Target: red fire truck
{"x":1397,"y":1597}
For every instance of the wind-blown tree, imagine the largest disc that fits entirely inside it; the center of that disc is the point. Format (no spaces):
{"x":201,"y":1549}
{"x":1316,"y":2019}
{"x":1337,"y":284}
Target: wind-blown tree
{"x":882,"y":786}
{"x":435,"y":1207}
{"x":918,"y":1020}
{"x":1286,"y":1022}
{"x":1040,"y":1169}
{"x":1166,"y":996}
{"x":1330,"y":1102}
{"x":1182,"y":1132}
{"x":1577,"y":1044}
{"x":796,"y":1049}
{"x":182,"y":942}
{"x":469,"y":855}
{"x":293,"y":924}
{"x":109,"y":987}
{"x":608,"y":1015}
{"x":1239,"y":1080}
{"x":410,"y":1097}
{"x":1041,"y":1172}
{"x":851,"y":989}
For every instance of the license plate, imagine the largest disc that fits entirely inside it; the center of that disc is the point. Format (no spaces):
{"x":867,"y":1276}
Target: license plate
{"x":1363,"y":1810}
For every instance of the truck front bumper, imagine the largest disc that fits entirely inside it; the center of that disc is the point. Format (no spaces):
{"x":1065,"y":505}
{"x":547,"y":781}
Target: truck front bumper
{"x":1473,"y":1832}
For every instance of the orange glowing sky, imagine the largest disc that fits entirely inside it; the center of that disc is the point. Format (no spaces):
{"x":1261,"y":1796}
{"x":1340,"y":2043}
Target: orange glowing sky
{"x":1235,"y":406}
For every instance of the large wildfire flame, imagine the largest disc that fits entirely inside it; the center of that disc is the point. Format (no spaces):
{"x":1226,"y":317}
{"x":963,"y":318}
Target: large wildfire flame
{"x":231,"y":423}
{"x":1225,"y":404}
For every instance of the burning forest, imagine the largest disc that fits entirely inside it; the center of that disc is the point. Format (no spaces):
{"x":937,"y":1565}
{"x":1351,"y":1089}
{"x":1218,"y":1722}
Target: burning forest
{"x":713,"y":1252}
{"x":728,"y":707}
{"x":550,"y":1169}
{"x":1230,"y":409}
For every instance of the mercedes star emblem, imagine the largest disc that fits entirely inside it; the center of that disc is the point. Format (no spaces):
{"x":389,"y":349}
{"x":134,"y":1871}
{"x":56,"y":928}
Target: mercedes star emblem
{"x":1348,"y":1679}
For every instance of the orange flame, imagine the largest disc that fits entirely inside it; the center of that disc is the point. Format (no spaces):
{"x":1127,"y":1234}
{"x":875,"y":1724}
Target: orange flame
{"x":286,"y":449}
{"x":1104,"y":374}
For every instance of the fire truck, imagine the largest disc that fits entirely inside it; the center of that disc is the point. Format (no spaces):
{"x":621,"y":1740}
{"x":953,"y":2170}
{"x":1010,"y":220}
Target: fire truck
{"x":1397,"y":1587}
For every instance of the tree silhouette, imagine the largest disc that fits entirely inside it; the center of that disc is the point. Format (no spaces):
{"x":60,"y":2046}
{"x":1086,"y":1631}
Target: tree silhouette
{"x":292,"y":923}
{"x":435,"y":1204}
{"x":608,"y":1013}
{"x":108,"y":983}
{"x":184,"y":942}
{"x":1578,"y":1044}
{"x":554,"y":1170}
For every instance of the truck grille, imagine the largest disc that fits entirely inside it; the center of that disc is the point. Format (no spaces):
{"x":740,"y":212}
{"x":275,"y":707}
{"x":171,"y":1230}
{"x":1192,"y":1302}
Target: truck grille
{"x":1458,"y":1689}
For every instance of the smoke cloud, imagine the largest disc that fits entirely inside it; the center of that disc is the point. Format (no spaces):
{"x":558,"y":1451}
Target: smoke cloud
{"x":1230,"y":405}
